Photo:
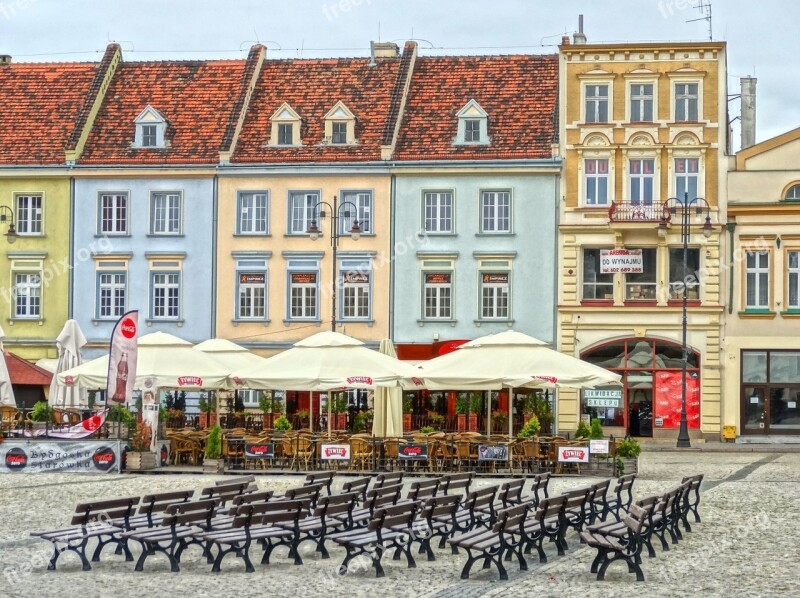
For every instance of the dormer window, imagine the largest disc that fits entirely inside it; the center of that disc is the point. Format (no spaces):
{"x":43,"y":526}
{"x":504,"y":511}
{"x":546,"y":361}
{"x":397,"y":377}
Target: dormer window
{"x":472,"y":125}
{"x":285,"y":127}
{"x":151,"y":127}
{"x":340,"y":126}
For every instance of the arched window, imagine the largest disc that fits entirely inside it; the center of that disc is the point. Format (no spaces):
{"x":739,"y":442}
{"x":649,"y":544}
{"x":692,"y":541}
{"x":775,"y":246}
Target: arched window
{"x":793,"y":193}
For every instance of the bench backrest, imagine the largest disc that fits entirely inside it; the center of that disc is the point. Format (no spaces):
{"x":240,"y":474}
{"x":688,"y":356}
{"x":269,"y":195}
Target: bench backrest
{"x":551,"y":507}
{"x":198,"y":512}
{"x":359,"y":485}
{"x":691,"y":495}
{"x":636,"y":518}
{"x":253,"y":497}
{"x":336,"y":504}
{"x":383,"y":496}
{"x":269,"y":513}
{"x":158,"y":503}
{"x":423,"y":489}
{"x":441,"y":506}
{"x":104,"y":510}
{"x":224,"y":492}
{"x":456,"y":482}
{"x":244,"y":479}
{"x":510,"y":520}
{"x":309,"y":492}
{"x":388,"y":479}
{"x":511,"y":492}
{"x":393,"y":516}
{"x":623,"y":490}
{"x":322,"y":477}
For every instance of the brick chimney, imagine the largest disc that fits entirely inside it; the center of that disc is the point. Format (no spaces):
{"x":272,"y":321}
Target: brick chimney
{"x":579,"y":37}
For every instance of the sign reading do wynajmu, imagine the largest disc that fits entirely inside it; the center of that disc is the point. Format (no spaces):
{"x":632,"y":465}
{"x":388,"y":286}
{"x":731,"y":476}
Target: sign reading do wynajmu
{"x":626,"y":261}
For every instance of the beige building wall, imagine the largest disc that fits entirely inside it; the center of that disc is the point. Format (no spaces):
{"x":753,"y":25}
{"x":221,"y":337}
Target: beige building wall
{"x":270,"y":337}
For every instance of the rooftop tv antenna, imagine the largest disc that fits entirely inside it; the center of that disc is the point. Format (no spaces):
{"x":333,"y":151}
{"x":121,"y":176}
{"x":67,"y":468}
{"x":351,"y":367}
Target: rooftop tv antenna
{"x":704,"y":6}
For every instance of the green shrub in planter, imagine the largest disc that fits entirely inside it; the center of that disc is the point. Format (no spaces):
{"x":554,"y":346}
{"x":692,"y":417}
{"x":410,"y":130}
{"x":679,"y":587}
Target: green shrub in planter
{"x":426,"y":430}
{"x":629,"y":448}
{"x":531,"y":428}
{"x":583,"y":430}
{"x":42,"y":412}
{"x":596,"y":431}
{"x":282,"y":424}
{"x":214,"y":443}
{"x":121,"y":414}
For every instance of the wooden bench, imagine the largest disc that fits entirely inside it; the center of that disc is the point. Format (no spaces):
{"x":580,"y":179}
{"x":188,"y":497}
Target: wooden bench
{"x":493,"y":545}
{"x":439,"y":516}
{"x":321,"y":477}
{"x":376,"y":498}
{"x":510,"y":493}
{"x":360,"y":485}
{"x":477,"y":510}
{"x":577,"y":510}
{"x":627,"y":548}
{"x":176,"y":531}
{"x":152,"y":507}
{"x":389,"y":527}
{"x":547,"y":521}
{"x":104,"y":520}
{"x":388,"y":479}
{"x":261,"y":522}
{"x":456,"y":483}
{"x":622,"y":497}
{"x":423,"y":489}
{"x":332,"y":513}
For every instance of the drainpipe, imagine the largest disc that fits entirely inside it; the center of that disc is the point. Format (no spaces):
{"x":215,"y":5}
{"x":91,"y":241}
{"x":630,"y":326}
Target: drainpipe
{"x":731,"y":230}
{"x":214,"y":203}
{"x":70,"y":261}
{"x":392,"y":209}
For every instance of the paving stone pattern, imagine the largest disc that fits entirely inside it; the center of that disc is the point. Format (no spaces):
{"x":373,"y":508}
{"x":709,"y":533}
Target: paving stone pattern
{"x":746,"y":546}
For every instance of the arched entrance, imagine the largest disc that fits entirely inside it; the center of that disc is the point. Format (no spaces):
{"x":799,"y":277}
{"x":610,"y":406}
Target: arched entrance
{"x":651,"y":393}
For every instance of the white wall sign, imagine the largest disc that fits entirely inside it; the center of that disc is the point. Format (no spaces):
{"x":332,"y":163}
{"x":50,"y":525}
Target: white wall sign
{"x":621,"y":260}
{"x":598,"y":447}
{"x":335,"y":452}
{"x":603,"y":398}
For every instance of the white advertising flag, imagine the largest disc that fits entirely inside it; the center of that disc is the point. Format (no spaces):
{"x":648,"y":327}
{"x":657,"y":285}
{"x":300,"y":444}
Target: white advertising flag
{"x":122,"y":358}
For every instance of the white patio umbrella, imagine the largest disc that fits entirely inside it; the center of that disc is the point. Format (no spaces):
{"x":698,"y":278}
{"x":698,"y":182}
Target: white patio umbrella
{"x":6,"y":391}
{"x":511,"y":360}
{"x":388,"y":402}
{"x":328,"y":361}
{"x":166,"y":360}
{"x":69,"y":343}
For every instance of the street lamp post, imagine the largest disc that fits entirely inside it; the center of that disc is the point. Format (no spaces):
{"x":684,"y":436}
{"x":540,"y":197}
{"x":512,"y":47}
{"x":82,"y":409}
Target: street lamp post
{"x":337,"y":211}
{"x":671,"y":207}
{"x":7,"y":214}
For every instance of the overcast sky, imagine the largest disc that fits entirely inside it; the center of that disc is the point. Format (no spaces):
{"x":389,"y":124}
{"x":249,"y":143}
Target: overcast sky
{"x":761,"y":35}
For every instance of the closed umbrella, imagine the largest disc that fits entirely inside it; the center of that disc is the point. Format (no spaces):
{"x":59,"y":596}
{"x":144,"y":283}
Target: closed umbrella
{"x":6,"y":391}
{"x":69,"y":342}
{"x":388,"y":403}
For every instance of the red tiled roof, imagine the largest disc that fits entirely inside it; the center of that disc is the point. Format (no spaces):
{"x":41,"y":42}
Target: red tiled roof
{"x":312,"y":88}
{"x":40,"y":104}
{"x":519,"y":94}
{"x":193,"y":96}
{"x":21,"y":371}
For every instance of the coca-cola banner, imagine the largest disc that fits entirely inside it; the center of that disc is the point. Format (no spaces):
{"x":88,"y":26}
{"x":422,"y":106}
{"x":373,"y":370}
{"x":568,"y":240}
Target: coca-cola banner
{"x":668,"y":398}
{"x":35,"y":456}
{"x":259,"y":450}
{"x":573,"y":454}
{"x":413,"y":451}
{"x":86,"y":428}
{"x":335,"y":452}
{"x":123,"y":351}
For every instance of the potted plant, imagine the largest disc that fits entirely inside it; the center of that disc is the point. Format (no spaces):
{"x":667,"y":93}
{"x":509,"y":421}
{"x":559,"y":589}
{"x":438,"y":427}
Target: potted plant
{"x":596,"y":430}
{"x":123,"y":418}
{"x":338,"y":411}
{"x":140,"y":457}
{"x":408,"y":408}
{"x":208,"y":410}
{"x":462,"y":407}
{"x":360,"y":422}
{"x":436,"y":420}
{"x":530,"y":429}
{"x":500,"y":420}
{"x":41,"y":414}
{"x":270,"y":409}
{"x":426,"y":430}
{"x":627,"y":453}
{"x":475,"y":405}
{"x":303,"y":417}
{"x":583,"y":430}
{"x":282,"y":424}
{"x":213,"y":462}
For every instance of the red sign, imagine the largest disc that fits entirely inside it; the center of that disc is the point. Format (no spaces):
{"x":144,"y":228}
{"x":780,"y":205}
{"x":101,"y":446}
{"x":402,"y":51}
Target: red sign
{"x":356,"y":277}
{"x":573,"y":454}
{"x":304,"y":277}
{"x":667,"y":396}
{"x":437,"y":278}
{"x":450,"y":346}
{"x":499,"y":277}
{"x":359,"y":380}
{"x":256,"y":278}
{"x":128,"y":328}
{"x":413,"y":451}
{"x":190,"y":381}
{"x":69,"y":380}
{"x":335,"y":452}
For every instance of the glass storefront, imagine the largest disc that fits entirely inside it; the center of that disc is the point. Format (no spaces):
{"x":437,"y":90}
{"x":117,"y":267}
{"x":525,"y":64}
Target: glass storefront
{"x":770,"y":392}
{"x":651,"y":393}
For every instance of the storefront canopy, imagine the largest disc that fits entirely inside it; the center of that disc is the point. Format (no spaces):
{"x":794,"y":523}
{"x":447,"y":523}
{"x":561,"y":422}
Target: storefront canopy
{"x":229,"y":354}
{"x":170,"y":362}
{"x":511,"y":360}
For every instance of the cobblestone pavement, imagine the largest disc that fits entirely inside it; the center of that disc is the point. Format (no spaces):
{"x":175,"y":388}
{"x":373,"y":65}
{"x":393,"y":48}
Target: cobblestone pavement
{"x":746,"y":545}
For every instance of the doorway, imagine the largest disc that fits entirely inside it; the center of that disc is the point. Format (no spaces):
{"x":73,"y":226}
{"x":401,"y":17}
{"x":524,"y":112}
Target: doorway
{"x":640,"y":412}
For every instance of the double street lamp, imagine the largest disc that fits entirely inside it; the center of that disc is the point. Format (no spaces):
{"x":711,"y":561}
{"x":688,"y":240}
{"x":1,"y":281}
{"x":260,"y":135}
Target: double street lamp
{"x":7,"y":214}
{"x":687,"y":208}
{"x":337,"y":211}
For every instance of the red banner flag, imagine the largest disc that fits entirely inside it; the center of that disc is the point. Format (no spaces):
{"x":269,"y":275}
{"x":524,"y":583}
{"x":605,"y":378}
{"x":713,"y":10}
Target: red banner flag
{"x":122,"y":356}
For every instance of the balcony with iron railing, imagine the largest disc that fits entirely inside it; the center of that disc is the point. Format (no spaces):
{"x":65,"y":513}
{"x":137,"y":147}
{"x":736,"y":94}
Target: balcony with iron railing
{"x":623,"y":211}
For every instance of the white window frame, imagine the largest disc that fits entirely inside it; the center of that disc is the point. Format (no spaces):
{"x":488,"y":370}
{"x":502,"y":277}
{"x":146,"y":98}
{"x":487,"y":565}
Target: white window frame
{"x":283,"y":129}
{"x":493,"y":291}
{"x":249,"y":290}
{"x":363,"y":201}
{"x":149,"y":135}
{"x":355,"y":284}
{"x":150,"y":117}
{"x":593,"y":104}
{"x":683,"y":101}
{"x":171,"y":289}
{"x":758,"y":272}
{"x":309,"y":199}
{"x":172,"y":223}
{"x":340,"y":114}
{"x":585,"y":284}
{"x":642,"y":100}
{"x":693,"y":286}
{"x":338,"y":132}
{"x":441,"y":293}
{"x":597,"y":177}
{"x":258,"y":203}
{"x":438,"y":218}
{"x":793,"y":279}
{"x":642,"y":178}
{"x":792,"y":193}
{"x":650,"y":288}
{"x":493,"y":220}
{"x":116,"y":289}
{"x":285,"y":115}
{"x":472,"y":113}
{"x":311,"y":288}
{"x":686,"y":177}
{"x":120,"y":203}
{"x":27,"y":286}
{"x":29,"y":218}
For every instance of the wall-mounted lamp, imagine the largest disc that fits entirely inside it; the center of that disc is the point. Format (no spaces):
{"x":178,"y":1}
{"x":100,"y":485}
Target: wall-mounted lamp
{"x":7,"y":214}
{"x":778,"y":241}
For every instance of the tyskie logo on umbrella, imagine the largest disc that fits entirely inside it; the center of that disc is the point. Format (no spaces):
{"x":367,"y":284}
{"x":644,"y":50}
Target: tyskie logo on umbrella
{"x":573,"y":454}
{"x":359,"y":380}
{"x":190,"y":381}
{"x":69,"y":380}
{"x":335,"y":451}
{"x":16,"y":459}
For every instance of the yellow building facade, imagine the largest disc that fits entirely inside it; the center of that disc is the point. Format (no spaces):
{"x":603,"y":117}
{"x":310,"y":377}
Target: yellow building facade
{"x":642,"y":124}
